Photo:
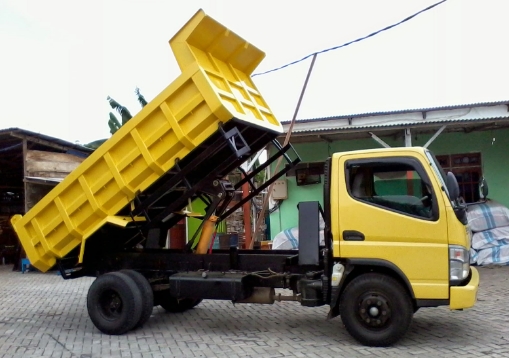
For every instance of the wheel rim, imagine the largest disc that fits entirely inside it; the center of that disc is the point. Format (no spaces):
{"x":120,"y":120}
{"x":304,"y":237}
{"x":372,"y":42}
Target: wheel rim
{"x":110,"y":304}
{"x":374,"y":311}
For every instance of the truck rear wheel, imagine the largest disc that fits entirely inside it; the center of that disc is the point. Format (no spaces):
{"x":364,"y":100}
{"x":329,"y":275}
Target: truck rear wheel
{"x":376,"y":310}
{"x":114,"y":303}
{"x":147,"y":295}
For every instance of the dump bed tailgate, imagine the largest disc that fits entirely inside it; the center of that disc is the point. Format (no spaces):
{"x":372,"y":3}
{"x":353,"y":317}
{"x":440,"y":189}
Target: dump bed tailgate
{"x":215,"y":87}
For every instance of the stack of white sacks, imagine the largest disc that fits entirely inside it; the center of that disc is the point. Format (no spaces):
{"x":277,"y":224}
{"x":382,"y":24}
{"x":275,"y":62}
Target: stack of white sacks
{"x":289,"y":239}
{"x":489,"y":223}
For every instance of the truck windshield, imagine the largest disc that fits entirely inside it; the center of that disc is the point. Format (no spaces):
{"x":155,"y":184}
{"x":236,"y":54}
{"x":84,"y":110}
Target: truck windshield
{"x":438,"y":170}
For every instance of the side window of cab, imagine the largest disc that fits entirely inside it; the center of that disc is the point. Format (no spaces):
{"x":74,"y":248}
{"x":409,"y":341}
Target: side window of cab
{"x":396,"y":184}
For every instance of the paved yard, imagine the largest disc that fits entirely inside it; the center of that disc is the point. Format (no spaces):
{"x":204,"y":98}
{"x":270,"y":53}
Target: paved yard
{"x":42,"y":315}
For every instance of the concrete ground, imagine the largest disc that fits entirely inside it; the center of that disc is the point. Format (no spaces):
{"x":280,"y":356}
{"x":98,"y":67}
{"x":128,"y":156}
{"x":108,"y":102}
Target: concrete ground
{"x":42,"y":315}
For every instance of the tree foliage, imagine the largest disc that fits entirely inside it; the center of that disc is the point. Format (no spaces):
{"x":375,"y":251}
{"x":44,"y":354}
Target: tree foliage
{"x":123,"y":111}
{"x":113,"y":122}
{"x":141,"y":99}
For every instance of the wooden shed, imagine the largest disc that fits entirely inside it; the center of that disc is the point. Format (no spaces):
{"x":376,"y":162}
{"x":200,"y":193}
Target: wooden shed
{"x":31,"y":164}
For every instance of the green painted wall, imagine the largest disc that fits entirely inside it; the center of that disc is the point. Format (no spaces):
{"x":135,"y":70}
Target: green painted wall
{"x":495,"y":160}
{"x":193,"y":224}
{"x":494,"y":156}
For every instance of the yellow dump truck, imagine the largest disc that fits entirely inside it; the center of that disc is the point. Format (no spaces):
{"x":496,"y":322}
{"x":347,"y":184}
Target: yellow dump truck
{"x":391,"y":245}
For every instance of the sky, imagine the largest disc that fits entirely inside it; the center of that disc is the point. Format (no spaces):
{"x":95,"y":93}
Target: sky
{"x":60,"y":59}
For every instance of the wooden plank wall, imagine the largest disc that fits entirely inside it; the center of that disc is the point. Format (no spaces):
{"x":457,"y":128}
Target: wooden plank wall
{"x":50,"y":164}
{"x":46,"y":165}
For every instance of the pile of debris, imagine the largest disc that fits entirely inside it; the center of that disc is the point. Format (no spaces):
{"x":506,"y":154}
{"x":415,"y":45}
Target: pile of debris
{"x":489,"y":222}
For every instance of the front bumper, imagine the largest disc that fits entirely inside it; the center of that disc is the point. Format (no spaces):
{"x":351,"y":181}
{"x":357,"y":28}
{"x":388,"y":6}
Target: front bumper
{"x":465,"y":296}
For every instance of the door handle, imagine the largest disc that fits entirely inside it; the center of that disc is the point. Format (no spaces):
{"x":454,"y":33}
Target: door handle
{"x":353,"y":235}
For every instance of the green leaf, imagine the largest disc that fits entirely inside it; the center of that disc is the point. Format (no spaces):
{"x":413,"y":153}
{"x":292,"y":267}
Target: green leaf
{"x":113,"y":123}
{"x":123,"y":111}
{"x":141,"y":99}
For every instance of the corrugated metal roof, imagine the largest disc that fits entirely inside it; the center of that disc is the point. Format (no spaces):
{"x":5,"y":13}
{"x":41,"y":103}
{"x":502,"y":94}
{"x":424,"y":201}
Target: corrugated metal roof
{"x":402,"y":111}
{"x":61,"y":142}
{"x":452,"y":116}
{"x":395,"y":125}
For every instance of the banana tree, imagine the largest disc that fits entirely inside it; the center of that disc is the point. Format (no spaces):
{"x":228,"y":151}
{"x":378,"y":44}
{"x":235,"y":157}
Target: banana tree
{"x":113,"y":123}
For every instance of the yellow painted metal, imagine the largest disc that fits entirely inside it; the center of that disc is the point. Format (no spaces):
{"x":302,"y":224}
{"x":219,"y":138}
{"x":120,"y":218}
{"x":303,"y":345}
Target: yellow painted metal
{"x":465,"y":296}
{"x":215,"y":86}
{"x":419,"y":248}
{"x":206,"y":235}
{"x":122,"y":221}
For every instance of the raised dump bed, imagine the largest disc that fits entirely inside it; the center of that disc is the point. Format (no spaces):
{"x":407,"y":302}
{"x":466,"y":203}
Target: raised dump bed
{"x":213,"y":98}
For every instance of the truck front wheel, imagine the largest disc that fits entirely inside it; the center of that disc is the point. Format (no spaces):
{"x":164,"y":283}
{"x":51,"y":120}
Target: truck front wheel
{"x":375,"y":309}
{"x":114,"y":303}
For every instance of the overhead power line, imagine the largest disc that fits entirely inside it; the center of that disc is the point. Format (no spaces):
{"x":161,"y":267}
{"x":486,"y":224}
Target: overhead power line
{"x":351,"y":42}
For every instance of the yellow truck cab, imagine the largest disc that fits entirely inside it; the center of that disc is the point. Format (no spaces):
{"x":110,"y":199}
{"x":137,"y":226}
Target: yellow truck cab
{"x":401,"y":235}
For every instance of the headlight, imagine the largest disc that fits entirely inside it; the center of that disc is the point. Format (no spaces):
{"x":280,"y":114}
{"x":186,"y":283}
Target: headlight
{"x":459,"y":264}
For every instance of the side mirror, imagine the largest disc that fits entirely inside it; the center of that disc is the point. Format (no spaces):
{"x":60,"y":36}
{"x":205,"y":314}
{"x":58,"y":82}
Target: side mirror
{"x":452,"y":186}
{"x":483,"y":189}
{"x":460,"y":209}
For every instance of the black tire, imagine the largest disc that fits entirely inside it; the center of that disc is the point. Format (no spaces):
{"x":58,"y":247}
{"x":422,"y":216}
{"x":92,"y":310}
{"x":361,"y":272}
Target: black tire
{"x":114,"y":303}
{"x":147,"y":295}
{"x":376,"y":310}
{"x":195,"y":303}
{"x":190,"y":303}
{"x":173,"y":305}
